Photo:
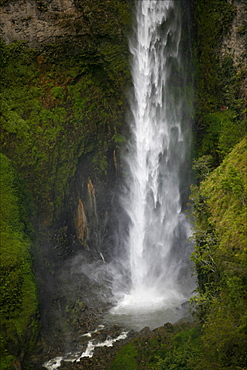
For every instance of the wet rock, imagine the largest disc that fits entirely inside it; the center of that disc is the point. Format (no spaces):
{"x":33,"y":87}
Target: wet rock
{"x":169,"y":327}
{"x":145,"y":332}
{"x":115,"y":331}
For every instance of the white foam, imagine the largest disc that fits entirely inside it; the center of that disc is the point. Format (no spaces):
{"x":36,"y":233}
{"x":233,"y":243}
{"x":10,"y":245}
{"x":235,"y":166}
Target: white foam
{"x":147,"y":299}
{"x":55,"y":363}
{"x":107,"y":343}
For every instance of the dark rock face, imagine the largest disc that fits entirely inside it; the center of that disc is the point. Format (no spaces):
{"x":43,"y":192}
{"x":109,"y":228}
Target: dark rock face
{"x":41,"y":22}
{"x":234,"y":43}
{"x":72,"y":289}
{"x":90,"y":207}
{"x":73,"y":294}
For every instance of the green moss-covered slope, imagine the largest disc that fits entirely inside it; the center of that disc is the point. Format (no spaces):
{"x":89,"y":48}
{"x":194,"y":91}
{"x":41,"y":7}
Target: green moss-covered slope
{"x":18,"y":298}
{"x":221,"y":262}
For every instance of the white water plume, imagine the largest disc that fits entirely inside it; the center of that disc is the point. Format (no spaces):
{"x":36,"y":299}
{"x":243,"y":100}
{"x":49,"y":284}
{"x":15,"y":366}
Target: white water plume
{"x":157,"y":247}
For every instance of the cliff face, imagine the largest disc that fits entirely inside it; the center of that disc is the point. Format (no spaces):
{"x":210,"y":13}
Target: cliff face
{"x":64,"y":74}
{"x":39,"y":22}
{"x":220,"y":75}
{"x":43,"y":22}
{"x":234,"y":45}
{"x":235,"y":41}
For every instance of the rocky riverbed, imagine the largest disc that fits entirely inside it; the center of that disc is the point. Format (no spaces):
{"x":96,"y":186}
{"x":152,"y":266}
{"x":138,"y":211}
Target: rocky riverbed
{"x":96,"y":350}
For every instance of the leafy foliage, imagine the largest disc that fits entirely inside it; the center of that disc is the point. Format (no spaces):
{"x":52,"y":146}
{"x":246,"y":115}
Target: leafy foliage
{"x":184,"y":352}
{"x":168,"y":347}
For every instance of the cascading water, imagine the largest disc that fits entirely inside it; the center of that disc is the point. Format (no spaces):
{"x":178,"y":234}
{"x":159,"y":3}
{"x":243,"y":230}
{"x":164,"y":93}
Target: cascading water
{"x":157,"y":247}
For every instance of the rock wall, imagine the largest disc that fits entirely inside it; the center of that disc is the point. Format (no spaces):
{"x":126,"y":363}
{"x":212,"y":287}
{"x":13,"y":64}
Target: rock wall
{"x":39,"y":22}
{"x":235,"y":41}
{"x":234,"y":44}
{"x":42,"y":22}
{"x":220,"y":75}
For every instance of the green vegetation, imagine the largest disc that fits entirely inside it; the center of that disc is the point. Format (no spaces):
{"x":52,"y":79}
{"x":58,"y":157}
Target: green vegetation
{"x":18,"y":298}
{"x":185,"y":349}
{"x":221,"y":259}
{"x":168,"y":347}
{"x":219,"y":198}
{"x":48,"y":121}
{"x":126,"y":358}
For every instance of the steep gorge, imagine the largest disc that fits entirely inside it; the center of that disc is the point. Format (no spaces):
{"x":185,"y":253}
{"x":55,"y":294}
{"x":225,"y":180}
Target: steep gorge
{"x":64,"y":76}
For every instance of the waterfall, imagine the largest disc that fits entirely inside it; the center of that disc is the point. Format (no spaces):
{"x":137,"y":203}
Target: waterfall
{"x":157,"y":249}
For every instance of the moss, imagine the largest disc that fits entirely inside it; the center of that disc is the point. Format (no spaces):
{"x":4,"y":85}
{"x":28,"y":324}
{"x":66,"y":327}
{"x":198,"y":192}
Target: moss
{"x":220,"y":258}
{"x":55,"y":109}
{"x":227,"y":195}
{"x":18,"y":302}
{"x":126,"y":359}
{"x":219,"y":202}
